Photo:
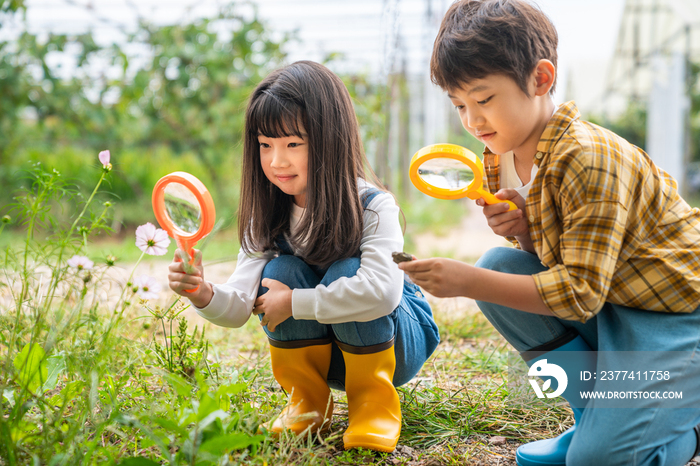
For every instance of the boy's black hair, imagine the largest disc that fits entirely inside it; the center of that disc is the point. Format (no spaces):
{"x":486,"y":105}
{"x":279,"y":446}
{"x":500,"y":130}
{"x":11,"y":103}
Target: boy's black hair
{"x":482,"y":37}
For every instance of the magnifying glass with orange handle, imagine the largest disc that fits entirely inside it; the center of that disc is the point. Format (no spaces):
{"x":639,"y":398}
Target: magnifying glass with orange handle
{"x":449,"y":171}
{"x":184,"y":208}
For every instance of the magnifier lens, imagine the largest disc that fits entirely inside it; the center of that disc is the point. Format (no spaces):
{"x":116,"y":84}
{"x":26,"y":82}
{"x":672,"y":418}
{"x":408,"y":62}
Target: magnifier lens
{"x":446,"y":173}
{"x":182,"y":208}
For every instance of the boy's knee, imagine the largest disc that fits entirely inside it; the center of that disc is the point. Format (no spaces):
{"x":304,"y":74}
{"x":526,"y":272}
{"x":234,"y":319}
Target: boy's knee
{"x":511,"y":260}
{"x":499,"y":259}
{"x":608,"y":450}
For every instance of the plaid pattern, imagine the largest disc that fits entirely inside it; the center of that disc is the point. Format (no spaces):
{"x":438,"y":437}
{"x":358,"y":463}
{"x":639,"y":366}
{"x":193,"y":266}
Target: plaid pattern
{"x":607,"y":222}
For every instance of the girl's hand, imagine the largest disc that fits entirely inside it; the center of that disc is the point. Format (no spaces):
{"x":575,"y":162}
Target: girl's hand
{"x":179,"y":281}
{"x":276,"y":304}
{"x":508,"y":223}
{"x":442,"y":278}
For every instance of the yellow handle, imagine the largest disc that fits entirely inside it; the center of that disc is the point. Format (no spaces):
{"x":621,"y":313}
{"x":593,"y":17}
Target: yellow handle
{"x":490,"y":198}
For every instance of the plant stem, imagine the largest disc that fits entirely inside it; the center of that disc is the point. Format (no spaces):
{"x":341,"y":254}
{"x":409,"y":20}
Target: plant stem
{"x":55,"y":279}
{"x":131,"y":275}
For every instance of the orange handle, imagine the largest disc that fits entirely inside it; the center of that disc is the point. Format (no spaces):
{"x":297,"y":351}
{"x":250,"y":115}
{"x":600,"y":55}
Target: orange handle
{"x":189,"y":265}
{"x":490,"y":198}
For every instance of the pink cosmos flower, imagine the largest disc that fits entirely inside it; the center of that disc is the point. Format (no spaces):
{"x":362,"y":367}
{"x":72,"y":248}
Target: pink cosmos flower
{"x":151,"y":240}
{"x":147,"y":287}
{"x":80,"y":263}
{"x":104,"y":157}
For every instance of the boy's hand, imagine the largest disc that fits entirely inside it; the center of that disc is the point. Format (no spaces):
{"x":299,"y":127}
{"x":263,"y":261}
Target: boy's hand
{"x":276,"y":304}
{"x":179,"y":280}
{"x":438,"y":276}
{"x":502,"y":221}
{"x":508,"y":223}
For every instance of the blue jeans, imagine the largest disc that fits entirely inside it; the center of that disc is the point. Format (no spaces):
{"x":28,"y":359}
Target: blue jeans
{"x":411,"y":324}
{"x":644,"y":435}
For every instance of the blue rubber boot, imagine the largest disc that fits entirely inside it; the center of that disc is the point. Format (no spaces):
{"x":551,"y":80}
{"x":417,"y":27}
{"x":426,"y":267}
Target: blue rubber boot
{"x":572,"y":354}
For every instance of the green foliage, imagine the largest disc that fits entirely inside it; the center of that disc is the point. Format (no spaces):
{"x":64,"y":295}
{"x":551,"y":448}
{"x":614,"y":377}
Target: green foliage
{"x":182,"y":354}
{"x":183,"y":109}
{"x":76,"y":387}
{"x":694,"y":80}
{"x":11,"y":5}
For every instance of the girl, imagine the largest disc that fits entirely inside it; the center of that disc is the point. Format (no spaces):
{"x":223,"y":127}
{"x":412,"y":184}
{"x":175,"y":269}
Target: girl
{"x":315,"y":263}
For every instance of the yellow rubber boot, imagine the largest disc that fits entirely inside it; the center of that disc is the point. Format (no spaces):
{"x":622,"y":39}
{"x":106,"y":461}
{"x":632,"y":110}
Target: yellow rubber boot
{"x":302,"y":373}
{"x":374,"y":409}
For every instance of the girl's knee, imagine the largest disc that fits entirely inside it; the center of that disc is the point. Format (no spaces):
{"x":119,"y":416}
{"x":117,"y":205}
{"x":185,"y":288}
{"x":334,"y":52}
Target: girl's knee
{"x":288,"y":269}
{"x":341,"y":268}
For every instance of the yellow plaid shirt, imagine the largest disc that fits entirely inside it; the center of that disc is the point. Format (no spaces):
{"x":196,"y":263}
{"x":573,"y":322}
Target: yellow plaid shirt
{"x":608,"y":223}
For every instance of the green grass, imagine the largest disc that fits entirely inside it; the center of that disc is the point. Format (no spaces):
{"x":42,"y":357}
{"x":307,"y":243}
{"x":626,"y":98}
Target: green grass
{"x":117,"y":397}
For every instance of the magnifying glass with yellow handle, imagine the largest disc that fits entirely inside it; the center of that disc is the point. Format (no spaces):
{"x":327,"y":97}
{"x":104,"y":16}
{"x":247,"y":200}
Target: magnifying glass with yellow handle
{"x":184,"y":208}
{"x":449,"y":171}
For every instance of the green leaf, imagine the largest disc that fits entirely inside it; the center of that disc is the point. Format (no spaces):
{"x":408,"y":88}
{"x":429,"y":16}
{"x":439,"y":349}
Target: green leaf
{"x":232,"y":389}
{"x":211,"y":417}
{"x":181,"y":386}
{"x":170,"y":426}
{"x":68,"y":393}
{"x":31,"y":367}
{"x":139,"y":461}
{"x":9,"y":395}
{"x":55,"y":365}
{"x":220,"y":445}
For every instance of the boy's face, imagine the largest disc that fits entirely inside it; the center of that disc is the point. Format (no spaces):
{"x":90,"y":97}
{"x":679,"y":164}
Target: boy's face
{"x":498,"y":113}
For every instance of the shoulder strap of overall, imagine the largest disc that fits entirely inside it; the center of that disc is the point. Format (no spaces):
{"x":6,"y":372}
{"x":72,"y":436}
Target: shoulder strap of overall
{"x":368,"y":195}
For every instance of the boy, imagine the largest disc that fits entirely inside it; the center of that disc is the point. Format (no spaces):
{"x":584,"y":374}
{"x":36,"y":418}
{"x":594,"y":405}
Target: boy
{"x":607,"y":254}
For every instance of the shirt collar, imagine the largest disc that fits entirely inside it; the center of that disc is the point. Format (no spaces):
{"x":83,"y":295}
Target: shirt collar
{"x":557,"y":126}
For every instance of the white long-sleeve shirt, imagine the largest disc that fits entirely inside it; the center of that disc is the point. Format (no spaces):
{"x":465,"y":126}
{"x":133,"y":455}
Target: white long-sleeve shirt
{"x":375,"y":290}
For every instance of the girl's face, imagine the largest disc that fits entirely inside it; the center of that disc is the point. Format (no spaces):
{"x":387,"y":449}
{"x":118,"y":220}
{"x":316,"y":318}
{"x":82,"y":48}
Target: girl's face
{"x":284,"y":162}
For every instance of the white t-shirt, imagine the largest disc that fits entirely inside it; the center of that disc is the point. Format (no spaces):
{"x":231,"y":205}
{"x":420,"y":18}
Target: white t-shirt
{"x":510,"y":178}
{"x":375,"y":291}
{"x":294,"y":221}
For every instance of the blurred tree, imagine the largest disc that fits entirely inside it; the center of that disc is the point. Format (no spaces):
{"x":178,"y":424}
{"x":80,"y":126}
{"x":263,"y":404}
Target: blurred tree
{"x":188,"y":99}
{"x":192,"y":95}
{"x":630,"y":124}
{"x":11,"y":5}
